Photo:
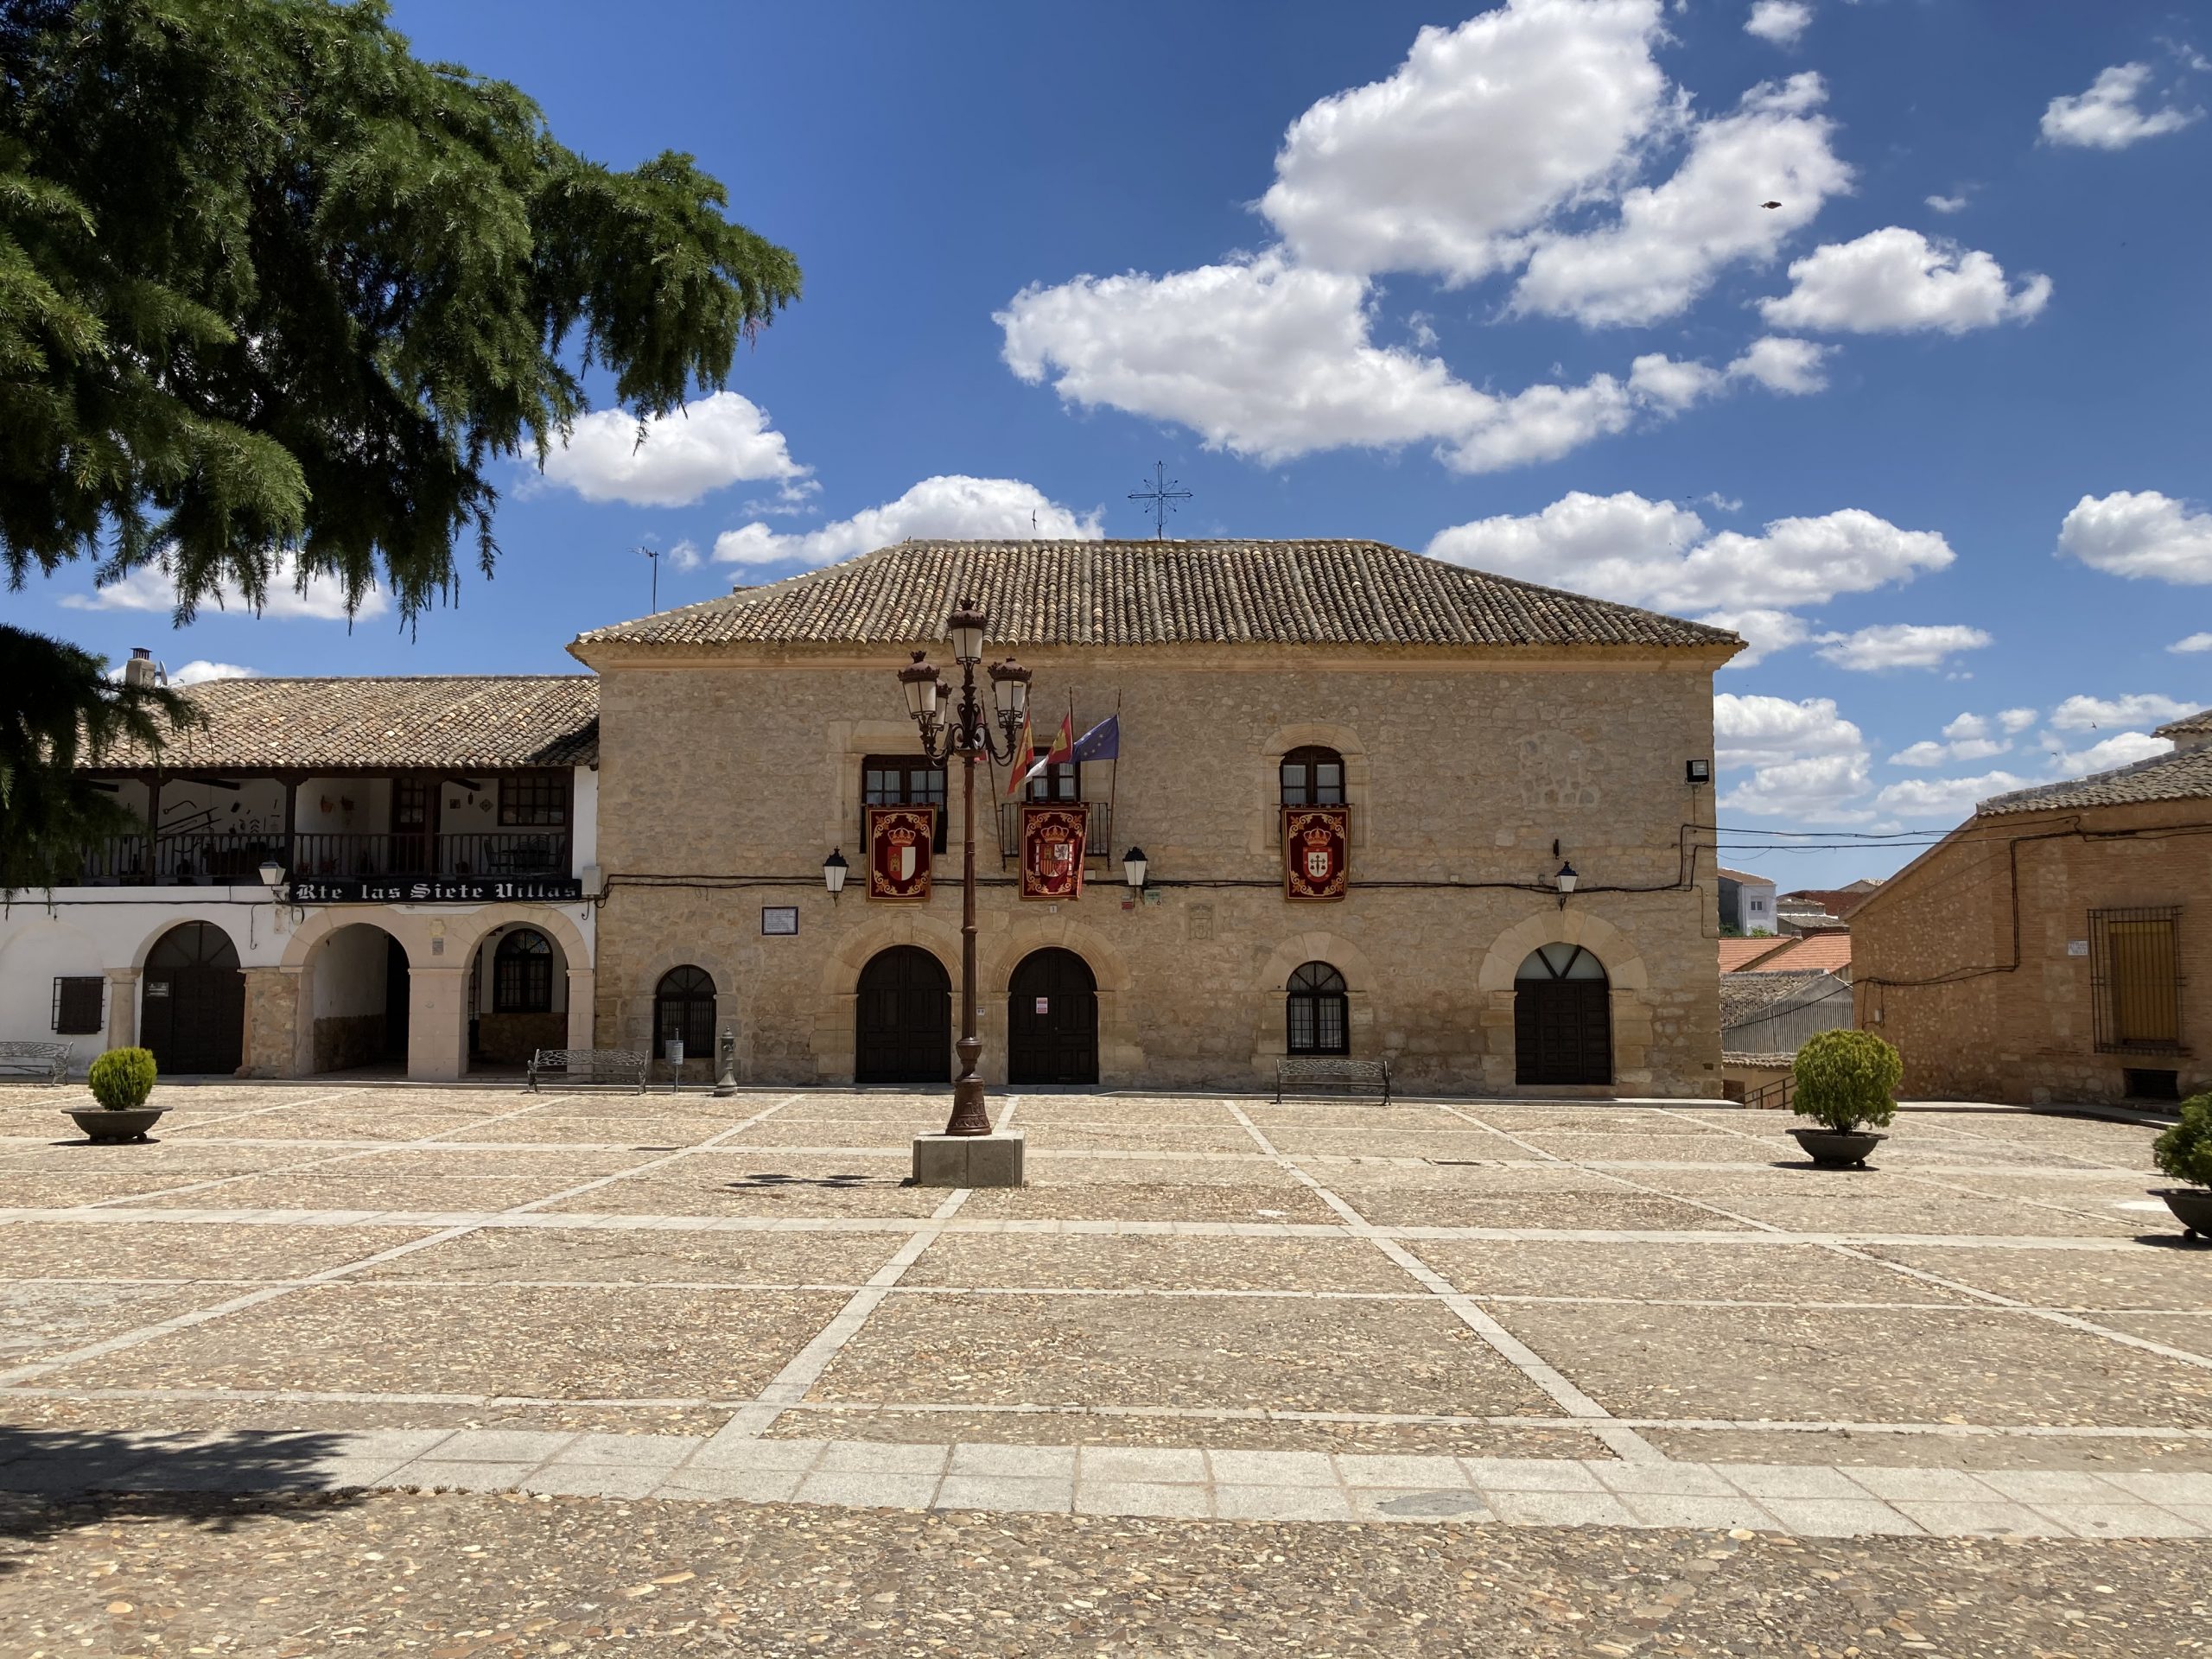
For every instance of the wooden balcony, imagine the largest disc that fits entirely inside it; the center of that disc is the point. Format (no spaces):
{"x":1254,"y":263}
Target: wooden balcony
{"x":186,"y":860}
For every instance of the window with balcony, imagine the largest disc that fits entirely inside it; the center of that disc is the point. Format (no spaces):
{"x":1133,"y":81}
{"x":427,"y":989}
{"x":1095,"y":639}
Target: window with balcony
{"x":1312,"y":777}
{"x":903,"y":780}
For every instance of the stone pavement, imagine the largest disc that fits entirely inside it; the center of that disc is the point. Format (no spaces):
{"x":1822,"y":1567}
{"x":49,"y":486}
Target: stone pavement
{"x":1525,"y":1315}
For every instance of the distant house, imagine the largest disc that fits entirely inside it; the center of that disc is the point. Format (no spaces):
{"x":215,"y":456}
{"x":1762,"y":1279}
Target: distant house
{"x":2058,"y":944}
{"x":1838,"y":902}
{"x":1746,"y":902}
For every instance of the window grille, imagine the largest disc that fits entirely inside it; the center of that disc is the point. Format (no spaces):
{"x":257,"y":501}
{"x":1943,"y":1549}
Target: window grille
{"x":683,"y":1007}
{"x":522,"y":974}
{"x":1316,"y":1008}
{"x":2135,"y":978}
{"x":79,"y":1000}
{"x":529,"y":797}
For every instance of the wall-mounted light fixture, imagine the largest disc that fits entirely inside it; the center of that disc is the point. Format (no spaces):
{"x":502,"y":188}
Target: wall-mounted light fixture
{"x":834,"y":870}
{"x":1698,"y":772}
{"x":1134,"y":865}
{"x":1565,"y":879}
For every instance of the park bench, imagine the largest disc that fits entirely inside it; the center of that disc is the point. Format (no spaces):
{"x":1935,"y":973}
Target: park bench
{"x":1305,"y":1076}
{"x":48,"y":1060}
{"x":589,"y":1066}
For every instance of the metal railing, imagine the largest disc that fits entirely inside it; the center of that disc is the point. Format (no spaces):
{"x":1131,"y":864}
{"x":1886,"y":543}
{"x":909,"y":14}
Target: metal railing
{"x":1773,"y":1097}
{"x":227,"y":859}
{"x":1098,"y":840}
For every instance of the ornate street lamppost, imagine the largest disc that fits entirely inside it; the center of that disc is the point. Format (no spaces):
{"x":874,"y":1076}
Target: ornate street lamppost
{"x":968,"y":735}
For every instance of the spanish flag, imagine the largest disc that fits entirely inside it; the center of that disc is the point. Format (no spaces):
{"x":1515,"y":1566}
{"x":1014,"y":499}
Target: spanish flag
{"x":1024,"y":761}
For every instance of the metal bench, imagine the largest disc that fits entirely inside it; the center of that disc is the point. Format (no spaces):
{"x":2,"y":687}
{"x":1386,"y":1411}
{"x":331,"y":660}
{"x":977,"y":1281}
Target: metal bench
{"x":48,"y":1060}
{"x":589,"y":1066}
{"x":1304,"y":1076}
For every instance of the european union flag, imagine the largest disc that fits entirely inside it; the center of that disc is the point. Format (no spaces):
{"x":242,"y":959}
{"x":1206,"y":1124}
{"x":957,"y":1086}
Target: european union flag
{"x":1101,"y":742}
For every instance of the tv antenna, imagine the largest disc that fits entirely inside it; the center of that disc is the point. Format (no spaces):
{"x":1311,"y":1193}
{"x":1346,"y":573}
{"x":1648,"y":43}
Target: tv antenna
{"x":1161,"y":498}
{"x":653,"y":553}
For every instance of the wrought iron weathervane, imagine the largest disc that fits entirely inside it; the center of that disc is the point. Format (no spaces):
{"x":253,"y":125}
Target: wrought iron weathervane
{"x":1163,"y":495}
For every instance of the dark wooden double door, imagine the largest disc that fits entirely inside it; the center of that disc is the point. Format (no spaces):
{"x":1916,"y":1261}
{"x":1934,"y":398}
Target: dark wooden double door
{"x":1051,"y":1021}
{"x":192,"y":1002}
{"x":903,"y":1027}
{"x":1562,"y":1019}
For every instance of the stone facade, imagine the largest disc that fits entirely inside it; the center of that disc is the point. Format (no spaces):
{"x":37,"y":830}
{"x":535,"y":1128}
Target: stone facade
{"x":1965,"y":960}
{"x":730,"y":771}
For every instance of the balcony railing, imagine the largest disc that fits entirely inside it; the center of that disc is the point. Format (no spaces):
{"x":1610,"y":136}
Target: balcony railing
{"x":1097,"y":841}
{"x":228,"y":860}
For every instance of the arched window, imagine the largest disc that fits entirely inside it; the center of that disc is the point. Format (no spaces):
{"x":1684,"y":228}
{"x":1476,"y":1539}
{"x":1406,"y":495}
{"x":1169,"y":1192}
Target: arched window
{"x":1312,"y":777}
{"x":1317,"y":1011}
{"x":522,"y":973}
{"x":683,"y":1007}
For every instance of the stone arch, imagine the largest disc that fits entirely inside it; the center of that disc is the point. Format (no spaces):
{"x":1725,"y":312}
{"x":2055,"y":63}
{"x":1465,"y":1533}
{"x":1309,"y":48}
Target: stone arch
{"x":1625,"y":970}
{"x":1121,"y":1055}
{"x":634,"y":1003}
{"x":169,"y":923}
{"x":837,"y":989}
{"x":1269,"y":1040}
{"x":343,"y":1014}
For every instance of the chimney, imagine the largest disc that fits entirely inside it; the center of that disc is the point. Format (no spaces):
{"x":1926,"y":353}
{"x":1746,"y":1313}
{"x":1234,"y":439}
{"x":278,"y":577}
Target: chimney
{"x":142,"y":670}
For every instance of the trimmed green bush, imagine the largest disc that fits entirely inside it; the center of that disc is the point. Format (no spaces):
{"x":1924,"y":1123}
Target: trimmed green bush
{"x":122,"y":1078}
{"x":2184,"y":1152}
{"x":1845,"y":1078}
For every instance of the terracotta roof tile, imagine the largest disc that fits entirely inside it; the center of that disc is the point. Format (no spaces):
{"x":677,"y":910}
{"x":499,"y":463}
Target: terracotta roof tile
{"x":1737,"y":955}
{"x":434,"y":720}
{"x":2186,"y":774}
{"x":1078,"y":593}
{"x":2195,"y":725}
{"x":1814,"y":953}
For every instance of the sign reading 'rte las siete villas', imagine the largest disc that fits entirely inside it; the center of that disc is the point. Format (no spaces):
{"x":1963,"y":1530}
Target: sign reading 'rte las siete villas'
{"x":1052,"y":851}
{"x":899,"y":853}
{"x":1316,"y":852}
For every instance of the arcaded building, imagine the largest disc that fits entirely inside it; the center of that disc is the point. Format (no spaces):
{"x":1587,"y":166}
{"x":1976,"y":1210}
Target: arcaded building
{"x":1362,"y":783}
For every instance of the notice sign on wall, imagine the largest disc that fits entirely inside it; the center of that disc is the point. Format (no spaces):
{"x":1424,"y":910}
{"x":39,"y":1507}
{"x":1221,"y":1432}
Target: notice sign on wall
{"x":899,"y":853}
{"x":779,"y":919}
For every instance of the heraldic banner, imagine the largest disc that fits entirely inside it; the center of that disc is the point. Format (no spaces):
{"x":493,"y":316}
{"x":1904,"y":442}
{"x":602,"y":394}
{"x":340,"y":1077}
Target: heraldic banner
{"x":1052,"y":851}
{"x":898,"y":852}
{"x":1316,"y":847}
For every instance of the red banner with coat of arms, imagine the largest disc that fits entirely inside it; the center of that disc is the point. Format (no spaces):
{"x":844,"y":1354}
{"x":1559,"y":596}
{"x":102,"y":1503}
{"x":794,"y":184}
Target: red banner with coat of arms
{"x":1316,"y":847}
{"x":1052,"y":851}
{"x":898,"y":852}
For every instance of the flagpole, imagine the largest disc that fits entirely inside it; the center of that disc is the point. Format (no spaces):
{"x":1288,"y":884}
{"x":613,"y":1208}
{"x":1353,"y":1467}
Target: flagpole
{"x":1113,"y":778}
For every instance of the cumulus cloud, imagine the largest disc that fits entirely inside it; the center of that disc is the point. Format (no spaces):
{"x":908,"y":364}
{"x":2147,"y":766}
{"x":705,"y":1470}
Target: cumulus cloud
{"x":2108,"y":115}
{"x":2140,"y":533}
{"x":2083,"y":714}
{"x":1944,"y":797}
{"x":950,"y":506}
{"x":1948,"y":204}
{"x":1896,"y":280}
{"x":1820,"y":788}
{"x":688,"y":454}
{"x":1764,"y":631}
{"x":1899,"y":645}
{"x":683,"y":557}
{"x":1551,"y":97}
{"x":199,"y":670}
{"x":1806,"y":761}
{"x":1669,"y":241}
{"x":149,"y":588}
{"x":1791,"y":366}
{"x":2194,"y":642}
{"x":1781,"y":22}
{"x":2121,"y":749}
{"x":1969,"y":737}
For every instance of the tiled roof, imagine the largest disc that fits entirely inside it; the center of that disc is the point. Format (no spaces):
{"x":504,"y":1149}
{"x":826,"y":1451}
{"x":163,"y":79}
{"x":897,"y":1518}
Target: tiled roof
{"x":1737,"y":955}
{"x":435,"y":721}
{"x":2195,"y":725}
{"x":2186,"y":774}
{"x":1827,"y":953}
{"x":1075,"y":592}
{"x":1745,"y":875}
{"x":1746,"y":996}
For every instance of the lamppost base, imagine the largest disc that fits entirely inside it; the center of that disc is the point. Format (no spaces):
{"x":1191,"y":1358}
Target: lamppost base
{"x":994,"y":1159}
{"x":969,"y":1115}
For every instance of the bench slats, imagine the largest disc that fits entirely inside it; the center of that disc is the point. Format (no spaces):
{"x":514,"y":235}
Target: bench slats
{"x":1363,"y":1077}
{"x":598,"y":1064}
{"x":49,"y":1060}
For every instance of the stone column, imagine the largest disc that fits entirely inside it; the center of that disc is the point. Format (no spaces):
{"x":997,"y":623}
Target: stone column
{"x":272,"y":1015}
{"x":437,"y":1023}
{"x":122,"y":1007}
{"x":582,"y":995}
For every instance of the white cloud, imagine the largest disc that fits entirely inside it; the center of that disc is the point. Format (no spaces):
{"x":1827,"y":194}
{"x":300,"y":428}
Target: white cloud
{"x":949,"y":506}
{"x":1764,"y":633}
{"x":1641,"y":552}
{"x":149,"y":588}
{"x":2140,"y":533}
{"x":2106,"y":116}
{"x":1899,"y":645}
{"x":1967,"y":737}
{"x":2094,"y":714}
{"x":684,"y":556}
{"x":2195,"y":642}
{"x":1756,"y":730}
{"x":2013,"y":721}
{"x":1948,"y":204}
{"x":1944,"y":797}
{"x":1783,"y":23}
{"x":1820,"y":789}
{"x":685,"y":455}
{"x":2121,"y":749}
{"x":1670,"y":240}
{"x":1894,"y":281}
{"x":1480,"y":133}
{"x":1791,"y":366}
{"x":199,"y":668}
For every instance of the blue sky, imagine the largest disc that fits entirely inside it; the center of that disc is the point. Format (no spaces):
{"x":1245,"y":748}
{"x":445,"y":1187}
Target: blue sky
{"x":1495,"y":285}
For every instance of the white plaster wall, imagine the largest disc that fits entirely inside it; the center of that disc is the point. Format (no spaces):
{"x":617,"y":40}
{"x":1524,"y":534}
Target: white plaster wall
{"x":356,"y":806}
{"x":255,"y":808}
{"x":349,"y":972}
{"x":32,"y":952}
{"x":583,"y":819}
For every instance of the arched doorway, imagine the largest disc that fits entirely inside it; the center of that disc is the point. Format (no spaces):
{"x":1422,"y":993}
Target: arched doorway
{"x":518,"y":996}
{"x":191,"y":1002}
{"x":902,"y":1028}
{"x":1562,"y":1017}
{"x":1052,"y":1020}
{"x":361,"y":990}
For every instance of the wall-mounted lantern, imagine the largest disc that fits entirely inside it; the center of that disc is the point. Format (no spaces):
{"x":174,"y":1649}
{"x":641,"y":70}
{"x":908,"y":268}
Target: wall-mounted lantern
{"x":834,"y":870}
{"x":1134,"y":865}
{"x":1565,"y":879}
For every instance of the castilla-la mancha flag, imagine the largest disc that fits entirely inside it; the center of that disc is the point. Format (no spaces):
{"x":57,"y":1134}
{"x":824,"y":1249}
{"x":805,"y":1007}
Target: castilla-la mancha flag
{"x":898,"y":852}
{"x":1316,"y":849}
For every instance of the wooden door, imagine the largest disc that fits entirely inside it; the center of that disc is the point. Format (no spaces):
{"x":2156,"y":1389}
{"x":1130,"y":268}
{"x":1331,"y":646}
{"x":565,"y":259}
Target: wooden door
{"x":902,"y":1027}
{"x":1562,"y":1019}
{"x":192,"y":1002}
{"x":1053,"y":1020}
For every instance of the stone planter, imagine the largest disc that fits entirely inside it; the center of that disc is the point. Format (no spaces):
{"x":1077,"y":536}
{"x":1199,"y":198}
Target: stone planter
{"x":107,"y":1128}
{"x":1838,"y":1148}
{"x":2192,"y":1207}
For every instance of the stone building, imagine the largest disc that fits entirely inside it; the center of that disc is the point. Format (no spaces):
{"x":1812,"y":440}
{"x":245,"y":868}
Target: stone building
{"x":2055,"y":947}
{"x":331,"y":873}
{"x":1469,"y":734}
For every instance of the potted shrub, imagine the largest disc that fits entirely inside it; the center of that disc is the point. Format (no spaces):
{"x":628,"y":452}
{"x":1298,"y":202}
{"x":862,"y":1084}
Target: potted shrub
{"x":120,"y":1081}
{"x":2184,"y":1152}
{"x":1845,"y":1079}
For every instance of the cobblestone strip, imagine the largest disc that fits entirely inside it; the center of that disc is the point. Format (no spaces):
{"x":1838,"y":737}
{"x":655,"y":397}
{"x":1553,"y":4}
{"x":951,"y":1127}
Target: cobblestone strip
{"x":1624,"y":1442}
{"x":346,"y":1269}
{"x":789,"y":1386}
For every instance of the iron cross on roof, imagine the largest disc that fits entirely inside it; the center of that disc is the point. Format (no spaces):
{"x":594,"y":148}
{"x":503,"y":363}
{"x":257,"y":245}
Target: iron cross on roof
{"x":1163,"y":495}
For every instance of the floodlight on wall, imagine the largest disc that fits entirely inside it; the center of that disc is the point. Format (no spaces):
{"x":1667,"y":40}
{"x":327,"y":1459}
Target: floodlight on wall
{"x":1698,"y":772}
{"x":1134,"y":865}
{"x":834,"y":869}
